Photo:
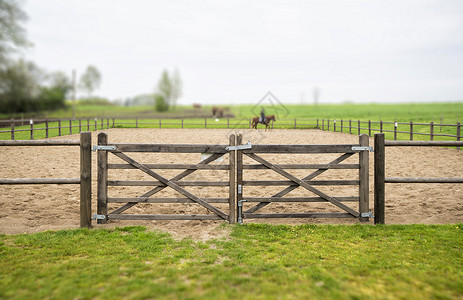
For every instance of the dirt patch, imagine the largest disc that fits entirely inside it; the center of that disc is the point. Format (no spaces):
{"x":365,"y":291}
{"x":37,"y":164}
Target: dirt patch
{"x":33,"y":208}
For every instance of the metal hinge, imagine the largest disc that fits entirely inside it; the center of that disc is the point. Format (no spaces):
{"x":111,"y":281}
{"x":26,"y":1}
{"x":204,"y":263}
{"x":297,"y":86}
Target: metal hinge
{"x":367,"y":215}
{"x":363,"y":149}
{"x":240,"y":189}
{"x":100,"y":147}
{"x":99,"y":217}
{"x":240,"y":147}
{"x":240,"y":211}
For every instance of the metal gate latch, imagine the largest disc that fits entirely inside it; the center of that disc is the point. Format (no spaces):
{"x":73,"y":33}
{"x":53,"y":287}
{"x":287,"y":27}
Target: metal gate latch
{"x":101,"y":147}
{"x":367,"y":215}
{"x":99,"y":217}
{"x":240,"y":147}
{"x":363,"y":149}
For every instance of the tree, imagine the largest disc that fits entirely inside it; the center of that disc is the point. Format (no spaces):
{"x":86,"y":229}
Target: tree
{"x":170,"y":87}
{"x":12,"y":33}
{"x":90,"y":80}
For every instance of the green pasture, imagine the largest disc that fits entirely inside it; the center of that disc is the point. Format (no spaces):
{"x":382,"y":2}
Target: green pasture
{"x":254,"y":262}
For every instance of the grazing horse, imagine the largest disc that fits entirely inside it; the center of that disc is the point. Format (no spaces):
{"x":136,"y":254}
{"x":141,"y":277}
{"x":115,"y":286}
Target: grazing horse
{"x":267,"y":120}
{"x":217,"y":112}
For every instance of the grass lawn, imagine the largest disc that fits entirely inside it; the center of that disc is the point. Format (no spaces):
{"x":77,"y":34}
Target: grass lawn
{"x":255,"y":262}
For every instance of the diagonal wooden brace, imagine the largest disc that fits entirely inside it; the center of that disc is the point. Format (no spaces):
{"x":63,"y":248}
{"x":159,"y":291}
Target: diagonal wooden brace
{"x":303,"y":184}
{"x":291,"y":188}
{"x":169,"y":183}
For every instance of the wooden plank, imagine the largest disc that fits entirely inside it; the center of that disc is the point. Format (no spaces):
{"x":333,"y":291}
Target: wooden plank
{"x":164,"y":200}
{"x":19,"y":181}
{"x":158,"y":183}
{"x":297,"y":215}
{"x":303,"y":184}
{"x":171,"y":148}
{"x":300,"y":149}
{"x":40,"y":143}
{"x":298,"y":199}
{"x":162,"y":217}
{"x":180,"y":176}
{"x":171,"y":184}
{"x":291,"y":188}
{"x":364,"y":186}
{"x":232,"y":178}
{"x":379,"y":165}
{"x":423,"y":180}
{"x":306,"y":166}
{"x":102,"y":178}
{"x":422,"y":143}
{"x":171,"y":166}
{"x":85,"y":179}
{"x":292,"y":183}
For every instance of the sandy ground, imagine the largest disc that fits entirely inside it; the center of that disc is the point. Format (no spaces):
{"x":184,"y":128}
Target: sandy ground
{"x":33,"y":208}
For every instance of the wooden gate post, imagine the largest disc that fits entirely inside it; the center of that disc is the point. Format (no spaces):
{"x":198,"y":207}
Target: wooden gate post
{"x":85,"y":179}
{"x":231,"y":185}
{"x":102,"y":177}
{"x":379,"y":178}
{"x":239,"y":174}
{"x":364,"y":190}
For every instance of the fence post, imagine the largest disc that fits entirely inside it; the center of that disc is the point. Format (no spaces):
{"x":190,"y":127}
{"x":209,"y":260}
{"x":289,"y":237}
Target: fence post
{"x":12,"y":129}
{"x":350,"y":126}
{"x":295,"y":124}
{"x":228,"y":123}
{"x":160,"y":123}
{"x":46,"y":129}
{"x":136,"y":122}
{"x":334,"y":126}
{"x":395,"y":130}
{"x":231,"y":186}
{"x":369,"y":127}
{"x":239,"y":174}
{"x":96,"y":124}
{"x":379,"y":162}
{"x":102,"y":173}
{"x":80,"y":125}
{"x":59,"y":127}
{"x":107,"y":123}
{"x":317,"y":123}
{"x":85,"y":179}
{"x":323,"y":124}
{"x":358,"y":127}
{"x":341,"y":125}
{"x":328,"y":124}
{"x":458,"y":133}
{"x":205,"y":123}
{"x":182,"y":123}
{"x":70,"y":126}
{"x":32,"y":128}
{"x":113,"y":123}
{"x":88,"y":124}
{"x":381,"y":126}
{"x":364,"y":191}
{"x":411,"y":131}
{"x":431,"y":125}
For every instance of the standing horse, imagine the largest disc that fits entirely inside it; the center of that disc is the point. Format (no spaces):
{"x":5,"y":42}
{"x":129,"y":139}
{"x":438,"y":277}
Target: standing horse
{"x":267,"y":120}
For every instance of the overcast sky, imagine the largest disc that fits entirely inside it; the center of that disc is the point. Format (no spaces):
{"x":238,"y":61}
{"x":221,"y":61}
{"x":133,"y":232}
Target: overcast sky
{"x":236,"y":51}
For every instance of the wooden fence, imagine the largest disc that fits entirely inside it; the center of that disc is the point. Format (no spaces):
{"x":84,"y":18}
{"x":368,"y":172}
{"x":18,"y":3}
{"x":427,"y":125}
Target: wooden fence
{"x":381,"y":179}
{"x":85,"y":171}
{"x":307,"y":182}
{"x":120,"y":150}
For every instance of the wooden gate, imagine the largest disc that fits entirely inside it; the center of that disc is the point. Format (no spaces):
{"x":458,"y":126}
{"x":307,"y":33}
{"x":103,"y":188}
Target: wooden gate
{"x":308,"y":183}
{"x":213,"y":152}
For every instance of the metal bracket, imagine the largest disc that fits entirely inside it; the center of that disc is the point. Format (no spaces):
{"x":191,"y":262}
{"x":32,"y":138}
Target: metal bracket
{"x":100,"y":147}
{"x":240,"y":147}
{"x":363,"y":149}
{"x":240,"y":211}
{"x":99,"y":217}
{"x":367,"y":215}
{"x":240,"y":189}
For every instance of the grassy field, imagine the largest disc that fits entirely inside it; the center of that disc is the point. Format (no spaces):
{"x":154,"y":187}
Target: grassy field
{"x":255,"y":262}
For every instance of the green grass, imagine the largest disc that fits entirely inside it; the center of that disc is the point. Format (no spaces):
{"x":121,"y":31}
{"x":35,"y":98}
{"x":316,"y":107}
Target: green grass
{"x":256,"y":262}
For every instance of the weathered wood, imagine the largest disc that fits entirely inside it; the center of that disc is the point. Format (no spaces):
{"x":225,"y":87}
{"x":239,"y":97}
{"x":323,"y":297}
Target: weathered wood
{"x":172,"y":166}
{"x":364,"y":177}
{"x":171,"y":148}
{"x":297,"y":215}
{"x":291,"y":188}
{"x":298,"y":199}
{"x":379,"y":165}
{"x":305,"y":166}
{"x":85,"y":179}
{"x":423,"y":143}
{"x":159,"y":183}
{"x":102,"y":178}
{"x":301,"y":149}
{"x":423,"y":180}
{"x":171,"y":184}
{"x":18,"y":181}
{"x":164,"y":200}
{"x":239,"y":173}
{"x":59,"y":127}
{"x":232,"y":178}
{"x":40,"y":143}
{"x":46,"y":129}
{"x":162,"y":217}
{"x":431,"y":128}
{"x":12,"y":129}
{"x":303,"y":184}
{"x":292,"y":183}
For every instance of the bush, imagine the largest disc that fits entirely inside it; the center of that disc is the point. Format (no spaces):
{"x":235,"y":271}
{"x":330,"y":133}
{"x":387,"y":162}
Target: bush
{"x":160,"y":103}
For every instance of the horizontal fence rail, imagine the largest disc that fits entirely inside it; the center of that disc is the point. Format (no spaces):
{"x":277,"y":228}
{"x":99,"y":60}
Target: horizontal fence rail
{"x":380,"y":177}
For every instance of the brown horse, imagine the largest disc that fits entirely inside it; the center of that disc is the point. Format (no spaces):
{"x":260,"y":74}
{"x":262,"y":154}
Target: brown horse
{"x":267,"y":120}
